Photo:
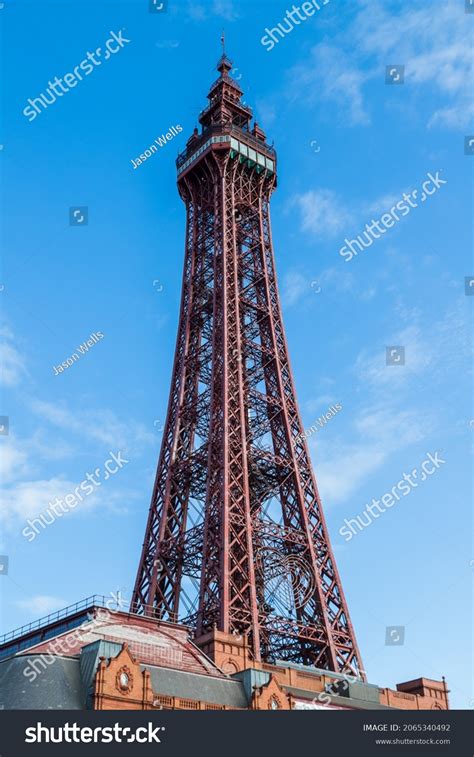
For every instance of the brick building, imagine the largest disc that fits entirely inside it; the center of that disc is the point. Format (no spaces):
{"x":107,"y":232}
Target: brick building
{"x":89,"y":657}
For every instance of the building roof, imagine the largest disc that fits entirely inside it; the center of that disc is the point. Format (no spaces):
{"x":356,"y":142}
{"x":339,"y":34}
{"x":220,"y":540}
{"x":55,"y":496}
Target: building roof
{"x":57,"y":685}
{"x":57,"y":672}
{"x":223,"y":691}
{"x":150,"y":642}
{"x":306,"y":698}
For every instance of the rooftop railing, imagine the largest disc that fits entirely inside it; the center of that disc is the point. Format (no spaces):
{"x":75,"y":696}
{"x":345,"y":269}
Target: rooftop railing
{"x":96,"y":600}
{"x":234,"y":131}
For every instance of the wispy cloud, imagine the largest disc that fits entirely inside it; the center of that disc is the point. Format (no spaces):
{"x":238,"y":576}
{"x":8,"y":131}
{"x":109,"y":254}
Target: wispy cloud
{"x":377,"y":433}
{"x":397,"y":411}
{"x":27,"y":499}
{"x":168,"y":44}
{"x":419,"y":355}
{"x":24,"y":499}
{"x":26,"y":491}
{"x":101,"y":426}
{"x":327,"y":76}
{"x":298,"y":288}
{"x":12,"y":363}
{"x":322,"y":212}
{"x":435,"y":48}
{"x":326,"y":214}
{"x":224,"y":9}
{"x":41,"y":604}
{"x":294,"y":287}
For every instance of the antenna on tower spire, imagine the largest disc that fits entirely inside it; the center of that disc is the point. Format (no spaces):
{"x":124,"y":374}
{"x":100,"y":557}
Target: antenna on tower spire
{"x":223,"y":42}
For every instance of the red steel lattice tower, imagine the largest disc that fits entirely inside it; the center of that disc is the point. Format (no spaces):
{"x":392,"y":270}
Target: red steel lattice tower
{"x":236,"y":537}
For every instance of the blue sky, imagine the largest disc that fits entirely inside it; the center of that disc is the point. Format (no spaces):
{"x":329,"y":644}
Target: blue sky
{"x":349,"y":146}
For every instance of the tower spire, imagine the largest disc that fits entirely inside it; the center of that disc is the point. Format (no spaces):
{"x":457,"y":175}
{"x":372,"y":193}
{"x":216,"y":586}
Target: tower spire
{"x":224,"y":64}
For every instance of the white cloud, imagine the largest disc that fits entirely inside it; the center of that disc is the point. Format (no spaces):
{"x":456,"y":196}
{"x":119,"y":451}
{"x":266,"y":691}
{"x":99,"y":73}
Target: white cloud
{"x":294,"y":287}
{"x":25,"y":492}
{"x":13,"y":460}
{"x":375,"y":374}
{"x":297,"y":288}
{"x":20,"y":457}
{"x":23,"y":500}
{"x":326,"y":76}
{"x":337,"y":280}
{"x":454,"y":117}
{"x":378,"y":433}
{"x":434,"y":46}
{"x":42,"y":604}
{"x":101,"y":426}
{"x":321,"y":403}
{"x":341,"y":473}
{"x":12,"y":363}
{"x":326,"y":214}
{"x":27,"y":499}
{"x":322,"y":212}
{"x":383,"y":204}
{"x":224,"y":9}
{"x":389,"y":421}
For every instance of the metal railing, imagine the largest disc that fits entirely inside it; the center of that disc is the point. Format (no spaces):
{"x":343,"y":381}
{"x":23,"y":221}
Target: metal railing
{"x":96,"y":600}
{"x":234,"y":131}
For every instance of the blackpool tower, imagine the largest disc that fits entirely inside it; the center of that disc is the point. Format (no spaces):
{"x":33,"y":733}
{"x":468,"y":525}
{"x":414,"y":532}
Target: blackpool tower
{"x":236,"y":538}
